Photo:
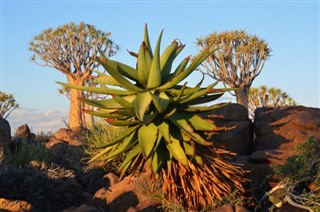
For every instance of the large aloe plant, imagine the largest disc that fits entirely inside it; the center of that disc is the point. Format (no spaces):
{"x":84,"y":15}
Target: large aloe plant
{"x":163,"y":125}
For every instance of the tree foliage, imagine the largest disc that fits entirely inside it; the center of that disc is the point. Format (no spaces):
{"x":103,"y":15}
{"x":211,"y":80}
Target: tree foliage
{"x":7,"y":104}
{"x":268,"y":97}
{"x":237,"y":59}
{"x":72,"y":49}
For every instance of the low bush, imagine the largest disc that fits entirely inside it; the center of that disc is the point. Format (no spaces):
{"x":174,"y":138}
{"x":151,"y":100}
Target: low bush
{"x":96,"y":139}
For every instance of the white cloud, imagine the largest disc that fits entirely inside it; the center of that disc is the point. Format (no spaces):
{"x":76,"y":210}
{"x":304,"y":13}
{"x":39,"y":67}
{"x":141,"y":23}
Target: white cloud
{"x":38,"y":121}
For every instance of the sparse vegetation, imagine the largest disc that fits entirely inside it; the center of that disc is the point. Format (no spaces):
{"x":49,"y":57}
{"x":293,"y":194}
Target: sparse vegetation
{"x":7,"y":104}
{"x":21,"y":153}
{"x":96,"y":139}
{"x":299,"y":179}
{"x":268,"y":97}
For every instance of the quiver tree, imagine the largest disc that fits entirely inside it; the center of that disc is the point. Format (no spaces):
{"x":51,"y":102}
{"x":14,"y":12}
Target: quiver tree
{"x":268,"y":97}
{"x":237,"y":60}
{"x":72,"y":49}
{"x":7,"y":104}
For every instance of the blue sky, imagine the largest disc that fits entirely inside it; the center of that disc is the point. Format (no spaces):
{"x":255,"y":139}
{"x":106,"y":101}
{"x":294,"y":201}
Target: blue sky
{"x":291,"y":29}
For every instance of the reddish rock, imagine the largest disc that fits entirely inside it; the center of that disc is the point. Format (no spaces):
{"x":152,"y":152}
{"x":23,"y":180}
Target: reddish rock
{"x":130,"y":190}
{"x":68,"y":136}
{"x":230,"y":112}
{"x":283,"y":128}
{"x":5,"y":132}
{"x":225,"y":208}
{"x":236,"y":134}
{"x":56,"y":146}
{"x":82,"y":208}
{"x":112,"y":179}
{"x":22,"y":132}
{"x":239,"y":208}
{"x":14,"y":205}
{"x":290,"y":208}
{"x":236,"y":139}
{"x":273,"y":156}
{"x":100,"y":197}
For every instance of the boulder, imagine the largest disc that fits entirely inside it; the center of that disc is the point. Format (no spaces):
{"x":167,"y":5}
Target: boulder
{"x":235,"y":132}
{"x":56,"y":146}
{"x":5,"y":132}
{"x":66,"y":135}
{"x":278,"y":131}
{"x":100,"y":195}
{"x":131,"y":190}
{"x":14,"y":205}
{"x":283,"y":128}
{"x":23,"y":132}
{"x":82,"y":208}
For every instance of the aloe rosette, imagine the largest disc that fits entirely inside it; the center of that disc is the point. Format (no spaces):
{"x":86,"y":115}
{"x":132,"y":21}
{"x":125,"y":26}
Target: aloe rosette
{"x":161,"y":116}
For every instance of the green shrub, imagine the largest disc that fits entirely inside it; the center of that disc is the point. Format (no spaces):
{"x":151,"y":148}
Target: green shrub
{"x":25,"y":151}
{"x":96,"y":138}
{"x":304,"y":166}
{"x":300,"y":178}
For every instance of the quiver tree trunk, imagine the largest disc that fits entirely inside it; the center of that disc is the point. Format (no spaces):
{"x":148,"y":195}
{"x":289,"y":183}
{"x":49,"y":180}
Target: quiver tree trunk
{"x":75,"y":112}
{"x":88,"y":119}
{"x":242,"y":96}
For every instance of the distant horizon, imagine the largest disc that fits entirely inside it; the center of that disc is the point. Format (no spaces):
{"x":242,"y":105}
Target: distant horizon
{"x":291,"y":28}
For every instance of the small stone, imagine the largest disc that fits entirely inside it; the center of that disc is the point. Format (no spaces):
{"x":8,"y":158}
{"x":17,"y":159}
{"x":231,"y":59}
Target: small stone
{"x":14,"y":205}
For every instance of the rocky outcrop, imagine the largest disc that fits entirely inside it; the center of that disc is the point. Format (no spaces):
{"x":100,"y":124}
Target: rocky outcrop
{"x":279,"y":130}
{"x":5,"y":132}
{"x":230,"y":208}
{"x":133,"y":191}
{"x":236,"y":133}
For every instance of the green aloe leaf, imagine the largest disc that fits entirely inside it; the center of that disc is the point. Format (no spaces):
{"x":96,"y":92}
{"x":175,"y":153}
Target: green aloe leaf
{"x":147,"y":40}
{"x":203,"y":99}
{"x":123,"y":69}
{"x":127,"y":132}
{"x":104,"y":114}
{"x":148,"y":135}
{"x":175,"y":148}
{"x":126,"y":102}
{"x":124,"y":146}
{"x":186,"y":72}
{"x":108,"y":91}
{"x":154,"y":79}
{"x":189,"y":148}
{"x":114,"y":70}
{"x":184,"y":125}
{"x":164,"y":130}
{"x":161,"y":102}
{"x":143,"y":66}
{"x":142,"y":102}
{"x":104,"y":79}
{"x":130,"y":157}
{"x":104,"y":104}
{"x":200,"y":109}
{"x":159,"y":158}
{"x":121,"y":123}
